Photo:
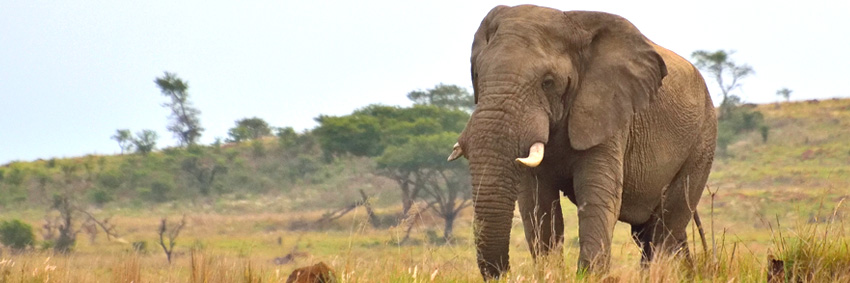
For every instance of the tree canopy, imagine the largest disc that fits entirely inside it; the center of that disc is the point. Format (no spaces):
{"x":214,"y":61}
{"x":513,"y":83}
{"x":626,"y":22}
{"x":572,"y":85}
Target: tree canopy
{"x":124,"y":139}
{"x":370,"y":130}
{"x":722,"y":69}
{"x":249,"y":129}
{"x":145,"y":141}
{"x":444,"y":96}
{"x":785,"y":93}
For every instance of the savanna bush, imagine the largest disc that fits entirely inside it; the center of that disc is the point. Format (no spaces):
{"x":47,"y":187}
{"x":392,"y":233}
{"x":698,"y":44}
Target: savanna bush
{"x":160,"y":191}
{"x":16,"y":234}
{"x":738,"y":121}
{"x":100,"y":196}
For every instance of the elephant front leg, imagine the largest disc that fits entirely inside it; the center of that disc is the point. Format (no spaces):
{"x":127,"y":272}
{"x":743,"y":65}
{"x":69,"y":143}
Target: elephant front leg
{"x":598,"y":184}
{"x":540,"y":207}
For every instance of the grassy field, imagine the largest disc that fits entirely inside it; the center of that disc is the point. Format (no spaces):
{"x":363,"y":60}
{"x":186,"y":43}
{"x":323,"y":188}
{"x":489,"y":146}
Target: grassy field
{"x":785,"y":197}
{"x":241,"y":246}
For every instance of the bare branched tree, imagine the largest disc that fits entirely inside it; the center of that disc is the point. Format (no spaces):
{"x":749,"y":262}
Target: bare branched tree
{"x":451,"y":194}
{"x":171,"y":234}
{"x":410,"y":182}
{"x":108,"y":228}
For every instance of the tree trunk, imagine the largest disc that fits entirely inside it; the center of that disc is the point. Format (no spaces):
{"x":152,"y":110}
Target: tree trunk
{"x":373,"y":219}
{"x":450,"y":221}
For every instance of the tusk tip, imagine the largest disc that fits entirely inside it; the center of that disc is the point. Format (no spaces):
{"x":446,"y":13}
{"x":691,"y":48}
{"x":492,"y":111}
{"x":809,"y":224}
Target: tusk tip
{"x":456,"y":152}
{"x":535,"y":155}
{"x":529,"y":163}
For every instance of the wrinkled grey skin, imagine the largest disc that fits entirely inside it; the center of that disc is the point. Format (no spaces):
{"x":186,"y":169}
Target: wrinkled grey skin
{"x":628,"y":126}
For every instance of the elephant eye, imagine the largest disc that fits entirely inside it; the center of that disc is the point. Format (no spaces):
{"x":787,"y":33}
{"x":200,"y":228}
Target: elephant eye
{"x":548,"y":84}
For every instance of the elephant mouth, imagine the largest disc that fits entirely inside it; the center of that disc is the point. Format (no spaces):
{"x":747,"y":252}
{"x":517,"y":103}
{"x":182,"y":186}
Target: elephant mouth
{"x":535,"y":154}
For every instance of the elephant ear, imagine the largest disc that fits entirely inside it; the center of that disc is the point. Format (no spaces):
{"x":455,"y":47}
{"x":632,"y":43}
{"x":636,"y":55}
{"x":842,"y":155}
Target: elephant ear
{"x":621,"y":75}
{"x":488,"y":27}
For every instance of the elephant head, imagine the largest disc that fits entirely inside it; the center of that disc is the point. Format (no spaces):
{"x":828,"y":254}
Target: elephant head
{"x":538,"y":71}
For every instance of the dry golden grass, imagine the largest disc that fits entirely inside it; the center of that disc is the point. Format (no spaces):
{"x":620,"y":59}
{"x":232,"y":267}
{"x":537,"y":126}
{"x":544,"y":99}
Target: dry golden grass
{"x":242,"y":248}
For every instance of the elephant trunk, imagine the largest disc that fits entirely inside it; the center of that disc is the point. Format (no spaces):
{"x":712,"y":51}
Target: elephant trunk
{"x":494,"y":140}
{"x":494,"y":196}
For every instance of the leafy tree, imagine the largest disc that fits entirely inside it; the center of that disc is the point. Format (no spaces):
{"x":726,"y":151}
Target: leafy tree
{"x":719,"y":65}
{"x":203,"y":171}
{"x":124,"y":139}
{"x":238,"y":134}
{"x":286,"y":136}
{"x":16,"y":235}
{"x":444,"y":96}
{"x":369,"y":130}
{"x":784,"y":93}
{"x":145,"y":141}
{"x":185,"y":123}
{"x":409,"y":145}
{"x":249,"y":129}
{"x":358,"y":135}
{"x":420,"y":165}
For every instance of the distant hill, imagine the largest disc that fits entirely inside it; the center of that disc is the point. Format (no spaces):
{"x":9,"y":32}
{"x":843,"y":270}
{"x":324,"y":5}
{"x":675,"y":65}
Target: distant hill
{"x":808,"y":146}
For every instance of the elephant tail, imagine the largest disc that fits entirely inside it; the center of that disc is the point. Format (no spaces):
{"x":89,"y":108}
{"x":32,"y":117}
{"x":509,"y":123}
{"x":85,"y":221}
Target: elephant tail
{"x":701,"y":232}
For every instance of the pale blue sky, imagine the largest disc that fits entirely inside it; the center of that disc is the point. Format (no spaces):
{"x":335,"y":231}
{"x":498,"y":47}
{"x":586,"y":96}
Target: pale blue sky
{"x":72,"y":72}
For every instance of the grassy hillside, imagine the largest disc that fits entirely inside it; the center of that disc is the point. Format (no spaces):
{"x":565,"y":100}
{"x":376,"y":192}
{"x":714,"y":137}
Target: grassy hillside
{"x":807,"y":146}
{"x":295,"y":175}
{"x":782,"y":197}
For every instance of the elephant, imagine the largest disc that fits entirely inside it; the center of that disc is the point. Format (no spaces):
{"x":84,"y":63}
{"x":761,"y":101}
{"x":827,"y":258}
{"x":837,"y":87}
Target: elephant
{"x":628,"y":129}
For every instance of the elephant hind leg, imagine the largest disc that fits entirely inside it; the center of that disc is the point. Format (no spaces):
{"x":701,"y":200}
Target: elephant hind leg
{"x":669,"y":222}
{"x":643,"y":238}
{"x":666,"y":229}
{"x":653,"y":238}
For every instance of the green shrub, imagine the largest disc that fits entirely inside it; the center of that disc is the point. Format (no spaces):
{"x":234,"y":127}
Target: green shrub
{"x":258,"y":148}
{"x":725,"y":136}
{"x":159,"y":191}
{"x":46,"y":245}
{"x":735,"y":123}
{"x":112,"y":179}
{"x":140,"y":247}
{"x":16,"y":234}
{"x":765,"y":131}
{"x":100,"y":196}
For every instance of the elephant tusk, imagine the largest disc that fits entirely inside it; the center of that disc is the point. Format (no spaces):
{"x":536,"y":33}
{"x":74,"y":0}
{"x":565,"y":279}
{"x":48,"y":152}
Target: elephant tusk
{"x":456,"y":152}
{"x":535,"y":155}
